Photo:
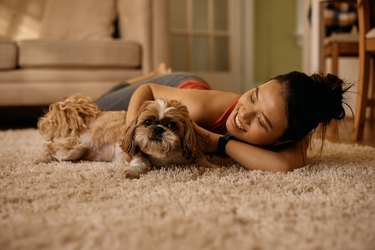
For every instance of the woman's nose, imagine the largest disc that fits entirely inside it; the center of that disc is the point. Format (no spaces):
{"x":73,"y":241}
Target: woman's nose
{"x":247,"y":114}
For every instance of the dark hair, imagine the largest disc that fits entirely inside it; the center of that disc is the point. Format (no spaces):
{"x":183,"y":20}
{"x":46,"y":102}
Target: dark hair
{"x":310,"y":101}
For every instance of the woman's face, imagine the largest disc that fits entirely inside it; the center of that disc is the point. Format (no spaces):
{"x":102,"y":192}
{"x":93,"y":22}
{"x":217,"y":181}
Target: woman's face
{"x":259,"y":117}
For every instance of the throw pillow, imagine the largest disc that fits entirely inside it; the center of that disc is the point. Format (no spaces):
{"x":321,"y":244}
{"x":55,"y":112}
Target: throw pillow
{"x":79,"y":19}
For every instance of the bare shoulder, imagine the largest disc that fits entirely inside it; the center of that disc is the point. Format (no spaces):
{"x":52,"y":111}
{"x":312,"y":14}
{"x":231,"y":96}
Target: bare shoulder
{"x":204,"y":105}
{"x":162,"y":91}
{"x":207,"y":106}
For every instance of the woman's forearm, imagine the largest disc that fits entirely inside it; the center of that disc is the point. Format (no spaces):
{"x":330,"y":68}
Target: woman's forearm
{"x":256,"y":158}
{"x":249,"y":156}
{"x":142,"y":94}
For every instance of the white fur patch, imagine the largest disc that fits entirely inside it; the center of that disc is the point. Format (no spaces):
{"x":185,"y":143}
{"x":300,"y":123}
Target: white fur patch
{"x":85,"y":139}
{"x":163,"y":108}
{"x":140,"y":163}
{"x":137,"y":166}
{"x":119,"y":160}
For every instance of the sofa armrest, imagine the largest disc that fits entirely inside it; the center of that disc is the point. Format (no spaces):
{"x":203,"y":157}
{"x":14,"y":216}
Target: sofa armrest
{"x":8,"y":52}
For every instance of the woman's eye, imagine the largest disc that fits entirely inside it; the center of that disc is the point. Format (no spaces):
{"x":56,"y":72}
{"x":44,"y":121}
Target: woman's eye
{"x":252,"y":98}
{"x":261,"y":122}
{"x":147,"y":122}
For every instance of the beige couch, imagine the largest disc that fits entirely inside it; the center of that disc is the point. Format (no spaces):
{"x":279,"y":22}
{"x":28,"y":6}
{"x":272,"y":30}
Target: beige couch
{"x":77,"y":50}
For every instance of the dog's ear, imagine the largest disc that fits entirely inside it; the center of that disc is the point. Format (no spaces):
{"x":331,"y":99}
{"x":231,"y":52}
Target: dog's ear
{"x":128,"y":143}
{"x":191,"y":144}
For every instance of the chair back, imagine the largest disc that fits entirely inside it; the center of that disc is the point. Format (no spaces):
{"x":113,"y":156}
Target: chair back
{"x":366,"y":23}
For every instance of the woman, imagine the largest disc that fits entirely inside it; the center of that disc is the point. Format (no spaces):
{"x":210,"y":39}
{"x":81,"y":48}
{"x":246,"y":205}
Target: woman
{"x":266,"y":128}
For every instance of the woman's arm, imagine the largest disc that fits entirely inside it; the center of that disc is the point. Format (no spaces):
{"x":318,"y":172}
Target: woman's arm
{"x":142,"y":94}
{"x":253,"y":157}
{"x":204,"y":105}
{"x":257,"y":158}
{"x":148,"y":92}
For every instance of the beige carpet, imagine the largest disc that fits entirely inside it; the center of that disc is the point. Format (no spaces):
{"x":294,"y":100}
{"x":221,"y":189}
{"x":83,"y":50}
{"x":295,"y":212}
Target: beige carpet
{"x":328,"y":204}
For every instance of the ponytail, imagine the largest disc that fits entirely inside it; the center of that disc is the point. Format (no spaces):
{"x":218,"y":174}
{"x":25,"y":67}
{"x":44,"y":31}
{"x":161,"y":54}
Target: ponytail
{"x":310,"y":101}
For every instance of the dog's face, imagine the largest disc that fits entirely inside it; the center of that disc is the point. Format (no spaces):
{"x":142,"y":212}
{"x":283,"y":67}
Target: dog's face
{"x":160,"y":127}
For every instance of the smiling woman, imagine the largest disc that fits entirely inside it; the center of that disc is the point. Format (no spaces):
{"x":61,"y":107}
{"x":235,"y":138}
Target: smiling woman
{"x":268,"y":126}
{"x":260,"y":118}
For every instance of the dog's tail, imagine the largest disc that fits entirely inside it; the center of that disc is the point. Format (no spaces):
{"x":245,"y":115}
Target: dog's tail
{"x":68,"y":117}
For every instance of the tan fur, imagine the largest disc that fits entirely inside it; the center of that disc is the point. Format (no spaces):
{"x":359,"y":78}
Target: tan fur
{"x":68,"y":117}
{"x":76,"y":129}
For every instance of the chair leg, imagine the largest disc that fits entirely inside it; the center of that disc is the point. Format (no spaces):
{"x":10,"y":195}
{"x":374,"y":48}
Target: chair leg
{"x":372,"y":91}
{"x":333,"y":131}
{"x":362,"y":95}
{"x":333,"y":127}
{"x":335,"y":59}
{"x":324,"y":70}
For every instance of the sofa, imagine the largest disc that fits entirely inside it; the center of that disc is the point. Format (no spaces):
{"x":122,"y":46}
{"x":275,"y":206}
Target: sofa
{"x":84,"y":46}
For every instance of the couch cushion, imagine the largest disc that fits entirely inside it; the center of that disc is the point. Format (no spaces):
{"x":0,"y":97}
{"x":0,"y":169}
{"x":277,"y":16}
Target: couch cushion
{"x":8,"y":52}
{"x":75,"y":53}
{"x":83,"y":19}
{"x":40,"y":86}
{"x":67,"y":75}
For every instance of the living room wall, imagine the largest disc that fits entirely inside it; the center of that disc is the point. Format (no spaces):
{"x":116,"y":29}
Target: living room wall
{"x":276,"y":49}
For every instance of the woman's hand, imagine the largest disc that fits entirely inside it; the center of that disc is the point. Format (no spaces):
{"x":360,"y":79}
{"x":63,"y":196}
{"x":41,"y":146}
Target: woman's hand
{"x":210,"y":138}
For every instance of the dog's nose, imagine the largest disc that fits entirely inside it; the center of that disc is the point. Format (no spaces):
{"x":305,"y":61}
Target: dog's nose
{"x":158,"y":130}
{"x":157,"y":133}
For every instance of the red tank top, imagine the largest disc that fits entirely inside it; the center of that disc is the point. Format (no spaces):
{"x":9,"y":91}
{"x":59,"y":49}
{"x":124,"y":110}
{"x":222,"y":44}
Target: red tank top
{"x":193,"y":84}
{"x":219,"y":126}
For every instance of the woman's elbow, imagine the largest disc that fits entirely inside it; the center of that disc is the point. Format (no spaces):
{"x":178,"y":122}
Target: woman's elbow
{"x":286,"y":167}
{"x":281,"y":168}
{"x":276,"y":168}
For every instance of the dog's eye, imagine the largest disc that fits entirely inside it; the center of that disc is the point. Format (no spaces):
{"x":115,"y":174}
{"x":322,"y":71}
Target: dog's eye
{"x":172,"y":125}
{"x":147,"y":122}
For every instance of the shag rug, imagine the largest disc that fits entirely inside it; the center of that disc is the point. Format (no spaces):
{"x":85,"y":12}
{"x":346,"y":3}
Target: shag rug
{"x":329,"y":204}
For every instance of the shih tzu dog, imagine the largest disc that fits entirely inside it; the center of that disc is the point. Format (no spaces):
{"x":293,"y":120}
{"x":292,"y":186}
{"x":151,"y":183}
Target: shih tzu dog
{"x":162,"y":134}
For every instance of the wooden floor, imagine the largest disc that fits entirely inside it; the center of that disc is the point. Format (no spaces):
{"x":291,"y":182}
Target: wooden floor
{"x":13,"y":118}
{"x":345,"y":130}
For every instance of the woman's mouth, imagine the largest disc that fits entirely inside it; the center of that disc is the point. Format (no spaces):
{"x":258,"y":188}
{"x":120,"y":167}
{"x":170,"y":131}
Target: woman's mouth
{"x":237,"y":123}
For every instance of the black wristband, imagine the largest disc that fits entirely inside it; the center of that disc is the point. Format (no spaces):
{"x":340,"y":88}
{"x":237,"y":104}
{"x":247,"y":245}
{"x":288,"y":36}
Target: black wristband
{"x":223,"y":140}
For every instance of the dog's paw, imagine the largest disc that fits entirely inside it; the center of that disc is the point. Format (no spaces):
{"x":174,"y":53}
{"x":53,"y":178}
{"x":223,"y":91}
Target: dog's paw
{"x":132,"y":173}
{"x":46,"y":158}
{"x":137,"y":166}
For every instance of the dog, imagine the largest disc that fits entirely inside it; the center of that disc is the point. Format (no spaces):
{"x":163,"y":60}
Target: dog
{"x":161,"y":134}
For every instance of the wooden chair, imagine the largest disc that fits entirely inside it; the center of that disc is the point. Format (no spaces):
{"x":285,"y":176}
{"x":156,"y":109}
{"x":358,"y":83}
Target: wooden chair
{"x":366,"y":86}
{"x":339,"y":45}
{"x":336,"y":46}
